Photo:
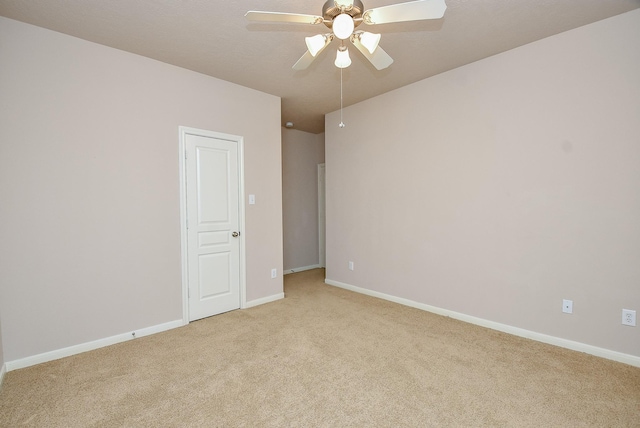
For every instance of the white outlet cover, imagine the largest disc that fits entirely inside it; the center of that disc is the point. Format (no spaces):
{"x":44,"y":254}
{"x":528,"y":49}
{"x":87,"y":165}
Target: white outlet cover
{"x":567,"y":306}
{"x":629,"y":317}
{"x":274,"y":273}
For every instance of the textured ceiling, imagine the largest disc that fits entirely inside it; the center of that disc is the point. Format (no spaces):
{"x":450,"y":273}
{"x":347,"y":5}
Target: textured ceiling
{"x":214,"y":38}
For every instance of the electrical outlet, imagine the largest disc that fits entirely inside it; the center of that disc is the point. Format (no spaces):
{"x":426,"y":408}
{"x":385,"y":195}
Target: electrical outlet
{"x":274,"y":273}
{"x":567,"y":306}
{"x":629,"y":317}
{"x":350,"y":265}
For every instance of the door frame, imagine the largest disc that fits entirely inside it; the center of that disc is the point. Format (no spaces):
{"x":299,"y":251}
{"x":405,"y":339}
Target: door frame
{"x":182,"y":155}
{"x":322,"y":226}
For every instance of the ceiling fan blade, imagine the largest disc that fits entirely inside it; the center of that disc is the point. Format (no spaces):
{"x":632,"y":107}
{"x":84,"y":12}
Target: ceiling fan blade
{"x":379,"y":58}
{"x":410,"y":11}
{"x":295,"y":18}
{"x":304,"y":61}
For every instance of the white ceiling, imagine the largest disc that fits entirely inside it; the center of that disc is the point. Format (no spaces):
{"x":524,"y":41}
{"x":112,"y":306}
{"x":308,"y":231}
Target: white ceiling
{"x":214,"y":38}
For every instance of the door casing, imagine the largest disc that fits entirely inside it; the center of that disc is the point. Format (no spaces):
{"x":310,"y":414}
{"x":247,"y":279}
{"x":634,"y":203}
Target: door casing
{"x":322,"y":216}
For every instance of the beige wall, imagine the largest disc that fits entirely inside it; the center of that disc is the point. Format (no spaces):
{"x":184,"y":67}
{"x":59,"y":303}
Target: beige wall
{"x":89,"y":185}
{"x":1,"y":350}
{"x":499,"y":188}
{"x":301,"y":154}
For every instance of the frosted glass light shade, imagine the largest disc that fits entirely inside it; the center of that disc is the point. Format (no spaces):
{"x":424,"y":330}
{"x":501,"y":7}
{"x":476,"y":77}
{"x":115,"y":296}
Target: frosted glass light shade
{"x":343,"y":26}
{"x":342,"y":58}
{"x":315,"y":44}
{"x":370,"y":41}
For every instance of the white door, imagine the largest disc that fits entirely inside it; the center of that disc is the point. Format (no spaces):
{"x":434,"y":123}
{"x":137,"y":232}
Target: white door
{"x":213,"y":221}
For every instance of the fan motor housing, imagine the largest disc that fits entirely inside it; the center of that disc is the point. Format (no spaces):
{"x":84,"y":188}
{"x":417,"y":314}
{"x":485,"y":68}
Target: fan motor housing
{"x":330,"y":10}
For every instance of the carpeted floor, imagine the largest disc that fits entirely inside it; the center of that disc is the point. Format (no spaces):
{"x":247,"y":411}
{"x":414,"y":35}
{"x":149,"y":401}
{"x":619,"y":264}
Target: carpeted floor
{"x":324,"y":357}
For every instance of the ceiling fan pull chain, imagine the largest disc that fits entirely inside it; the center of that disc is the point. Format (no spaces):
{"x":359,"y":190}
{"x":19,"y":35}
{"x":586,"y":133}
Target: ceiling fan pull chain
{"x":341,"y":125}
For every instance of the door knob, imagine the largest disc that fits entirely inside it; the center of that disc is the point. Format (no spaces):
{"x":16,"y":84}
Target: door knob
{"x":235,"y":234}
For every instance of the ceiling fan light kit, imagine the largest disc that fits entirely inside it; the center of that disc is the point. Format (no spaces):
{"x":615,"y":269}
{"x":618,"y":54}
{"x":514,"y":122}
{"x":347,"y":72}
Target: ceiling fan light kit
{"x":342,"y":57}
{"x":369,"y":40}
{"x":342,"y":17}
{"x":343,"y":26}
{"x":317,"y":43}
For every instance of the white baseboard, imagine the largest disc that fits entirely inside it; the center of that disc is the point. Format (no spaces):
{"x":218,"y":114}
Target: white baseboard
{"x":90,"y":346}
{"x":263,"y":300}
{"x":300,"y":269}
{"x":3,"y":370}
{"x":551,"y":340}
{"x":100,"y":343}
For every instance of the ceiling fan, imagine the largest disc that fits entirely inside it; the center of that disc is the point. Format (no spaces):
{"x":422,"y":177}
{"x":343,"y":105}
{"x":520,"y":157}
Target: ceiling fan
{"x":342,"y":17}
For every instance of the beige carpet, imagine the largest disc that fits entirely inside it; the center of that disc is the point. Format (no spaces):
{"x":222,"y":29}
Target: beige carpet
{"x":328,"y":357}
